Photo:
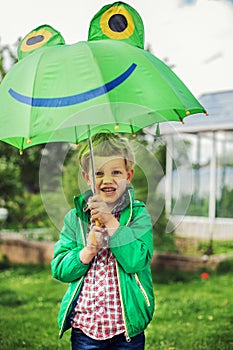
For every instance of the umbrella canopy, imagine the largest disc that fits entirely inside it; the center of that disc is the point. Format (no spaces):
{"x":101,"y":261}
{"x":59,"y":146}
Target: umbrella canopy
{"x":59,"y":92}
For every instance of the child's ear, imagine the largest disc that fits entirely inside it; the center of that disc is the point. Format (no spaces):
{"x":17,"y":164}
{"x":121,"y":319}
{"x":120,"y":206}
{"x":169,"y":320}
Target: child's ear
{"x":130,"y":175}
{"x":86,"y":177}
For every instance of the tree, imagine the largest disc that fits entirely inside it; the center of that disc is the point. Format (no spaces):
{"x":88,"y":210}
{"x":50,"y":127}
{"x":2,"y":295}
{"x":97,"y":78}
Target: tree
{"x":7,"y":58}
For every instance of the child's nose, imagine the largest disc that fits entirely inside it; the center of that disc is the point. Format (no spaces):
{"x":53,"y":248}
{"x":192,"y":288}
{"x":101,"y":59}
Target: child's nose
{"x":107,"y":178}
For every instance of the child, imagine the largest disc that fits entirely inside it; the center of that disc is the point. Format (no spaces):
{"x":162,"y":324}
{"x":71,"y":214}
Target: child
{"x":104,"y":252}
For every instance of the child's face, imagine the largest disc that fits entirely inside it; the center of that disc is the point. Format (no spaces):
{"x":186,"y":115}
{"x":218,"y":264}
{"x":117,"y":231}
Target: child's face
{"x":111,"y":178}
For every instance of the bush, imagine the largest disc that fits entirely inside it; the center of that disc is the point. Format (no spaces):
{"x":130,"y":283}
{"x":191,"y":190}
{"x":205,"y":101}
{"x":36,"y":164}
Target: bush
{"x":225,"y":266}
{"x":27,"y":211}
{"x":4,"y":262}
{"x":162,"y":276}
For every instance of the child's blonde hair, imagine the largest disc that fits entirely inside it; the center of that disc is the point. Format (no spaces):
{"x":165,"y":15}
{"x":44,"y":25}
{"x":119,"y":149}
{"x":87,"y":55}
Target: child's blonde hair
{"x":104,"y":145}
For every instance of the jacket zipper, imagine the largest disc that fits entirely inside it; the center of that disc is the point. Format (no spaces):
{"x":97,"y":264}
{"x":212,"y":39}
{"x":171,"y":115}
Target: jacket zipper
{"x":68,"y":306}
{"x":128,"y":339}
{"x":131,"y":209}
{"x":75,"y":291}
{"x":83,"y":235}
{"x":142,"y":289}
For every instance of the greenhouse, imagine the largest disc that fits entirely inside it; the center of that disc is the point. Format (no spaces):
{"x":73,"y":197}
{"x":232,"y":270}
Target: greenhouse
{"x":198,"y":186}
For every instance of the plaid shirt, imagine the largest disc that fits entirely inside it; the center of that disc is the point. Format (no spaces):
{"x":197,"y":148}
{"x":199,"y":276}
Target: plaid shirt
{"x":98,"y":311}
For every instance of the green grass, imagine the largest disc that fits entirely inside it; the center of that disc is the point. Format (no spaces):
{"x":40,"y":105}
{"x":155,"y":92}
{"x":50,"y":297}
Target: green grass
{"x":193,"y":315}
{"x":29,"y":303}
{"x":190,"y":315}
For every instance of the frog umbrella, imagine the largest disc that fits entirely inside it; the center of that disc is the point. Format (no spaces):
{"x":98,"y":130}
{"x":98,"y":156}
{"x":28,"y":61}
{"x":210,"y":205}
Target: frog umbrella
{"x":58,"y":92}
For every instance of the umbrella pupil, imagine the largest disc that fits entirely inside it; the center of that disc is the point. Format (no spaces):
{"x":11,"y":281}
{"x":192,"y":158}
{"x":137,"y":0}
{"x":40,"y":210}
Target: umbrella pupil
{"x":35,"y":39}
{"x":117,"y":23}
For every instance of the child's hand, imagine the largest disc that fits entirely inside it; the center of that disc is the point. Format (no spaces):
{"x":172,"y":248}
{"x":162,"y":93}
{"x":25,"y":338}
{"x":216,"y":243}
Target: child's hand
{"x":95,"y":237}
{"x":98,"y":206}
{"x":94,"y":244}
{"x":101,"y":212}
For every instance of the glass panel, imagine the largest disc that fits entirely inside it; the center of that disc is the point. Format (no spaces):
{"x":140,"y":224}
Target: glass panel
{"x":191,"y":177}
{"x":191,"y":174}
{"x":224,"y":202}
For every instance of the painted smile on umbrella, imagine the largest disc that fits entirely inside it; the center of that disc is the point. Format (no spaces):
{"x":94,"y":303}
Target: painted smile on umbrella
{"x":73,"y":99}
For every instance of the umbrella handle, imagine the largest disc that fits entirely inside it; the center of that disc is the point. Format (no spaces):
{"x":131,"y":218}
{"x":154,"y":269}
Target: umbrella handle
{"x":93,"y":238}
{"x":92,"y":234}
{"x":97,"y":223}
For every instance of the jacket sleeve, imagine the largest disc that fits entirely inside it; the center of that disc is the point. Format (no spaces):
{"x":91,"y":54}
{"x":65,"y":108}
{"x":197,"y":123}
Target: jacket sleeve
{"x":132,"y":245}
{"x":66,"y":265}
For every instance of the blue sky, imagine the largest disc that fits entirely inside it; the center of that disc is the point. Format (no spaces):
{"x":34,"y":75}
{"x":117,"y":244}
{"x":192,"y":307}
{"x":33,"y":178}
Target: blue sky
{"x":193,"y":35}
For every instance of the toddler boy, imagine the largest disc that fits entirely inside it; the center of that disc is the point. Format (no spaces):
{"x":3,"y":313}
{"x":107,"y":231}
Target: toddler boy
{"x":104,"y":252}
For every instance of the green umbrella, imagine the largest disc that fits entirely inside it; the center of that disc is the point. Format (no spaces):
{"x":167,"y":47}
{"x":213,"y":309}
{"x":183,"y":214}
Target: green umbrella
{"x":58,"y":92}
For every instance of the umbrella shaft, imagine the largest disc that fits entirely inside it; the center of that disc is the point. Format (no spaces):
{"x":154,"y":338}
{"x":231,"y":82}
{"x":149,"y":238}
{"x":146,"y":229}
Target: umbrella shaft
{"x":92,"y":161}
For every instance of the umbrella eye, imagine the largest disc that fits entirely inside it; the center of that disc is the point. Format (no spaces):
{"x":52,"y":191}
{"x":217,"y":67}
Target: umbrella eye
{"x":41,"y":36}
{"x":117,"y":22}
{"x":35,"y":39}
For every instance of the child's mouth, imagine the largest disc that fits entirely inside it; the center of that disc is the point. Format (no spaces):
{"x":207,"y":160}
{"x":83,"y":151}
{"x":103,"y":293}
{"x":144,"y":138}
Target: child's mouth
{"x":108,"y":190}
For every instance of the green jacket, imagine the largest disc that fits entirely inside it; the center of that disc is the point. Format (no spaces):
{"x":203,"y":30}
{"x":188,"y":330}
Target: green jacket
{"x":132,"y":246}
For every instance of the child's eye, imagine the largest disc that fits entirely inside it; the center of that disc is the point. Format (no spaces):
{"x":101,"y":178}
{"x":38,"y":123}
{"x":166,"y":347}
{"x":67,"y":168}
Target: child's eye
{"x":99,"y":173}
{"x":116,"y":172}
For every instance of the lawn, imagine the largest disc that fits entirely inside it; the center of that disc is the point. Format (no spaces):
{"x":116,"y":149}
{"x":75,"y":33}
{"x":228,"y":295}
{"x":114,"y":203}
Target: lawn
{"x":190,"y":315}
